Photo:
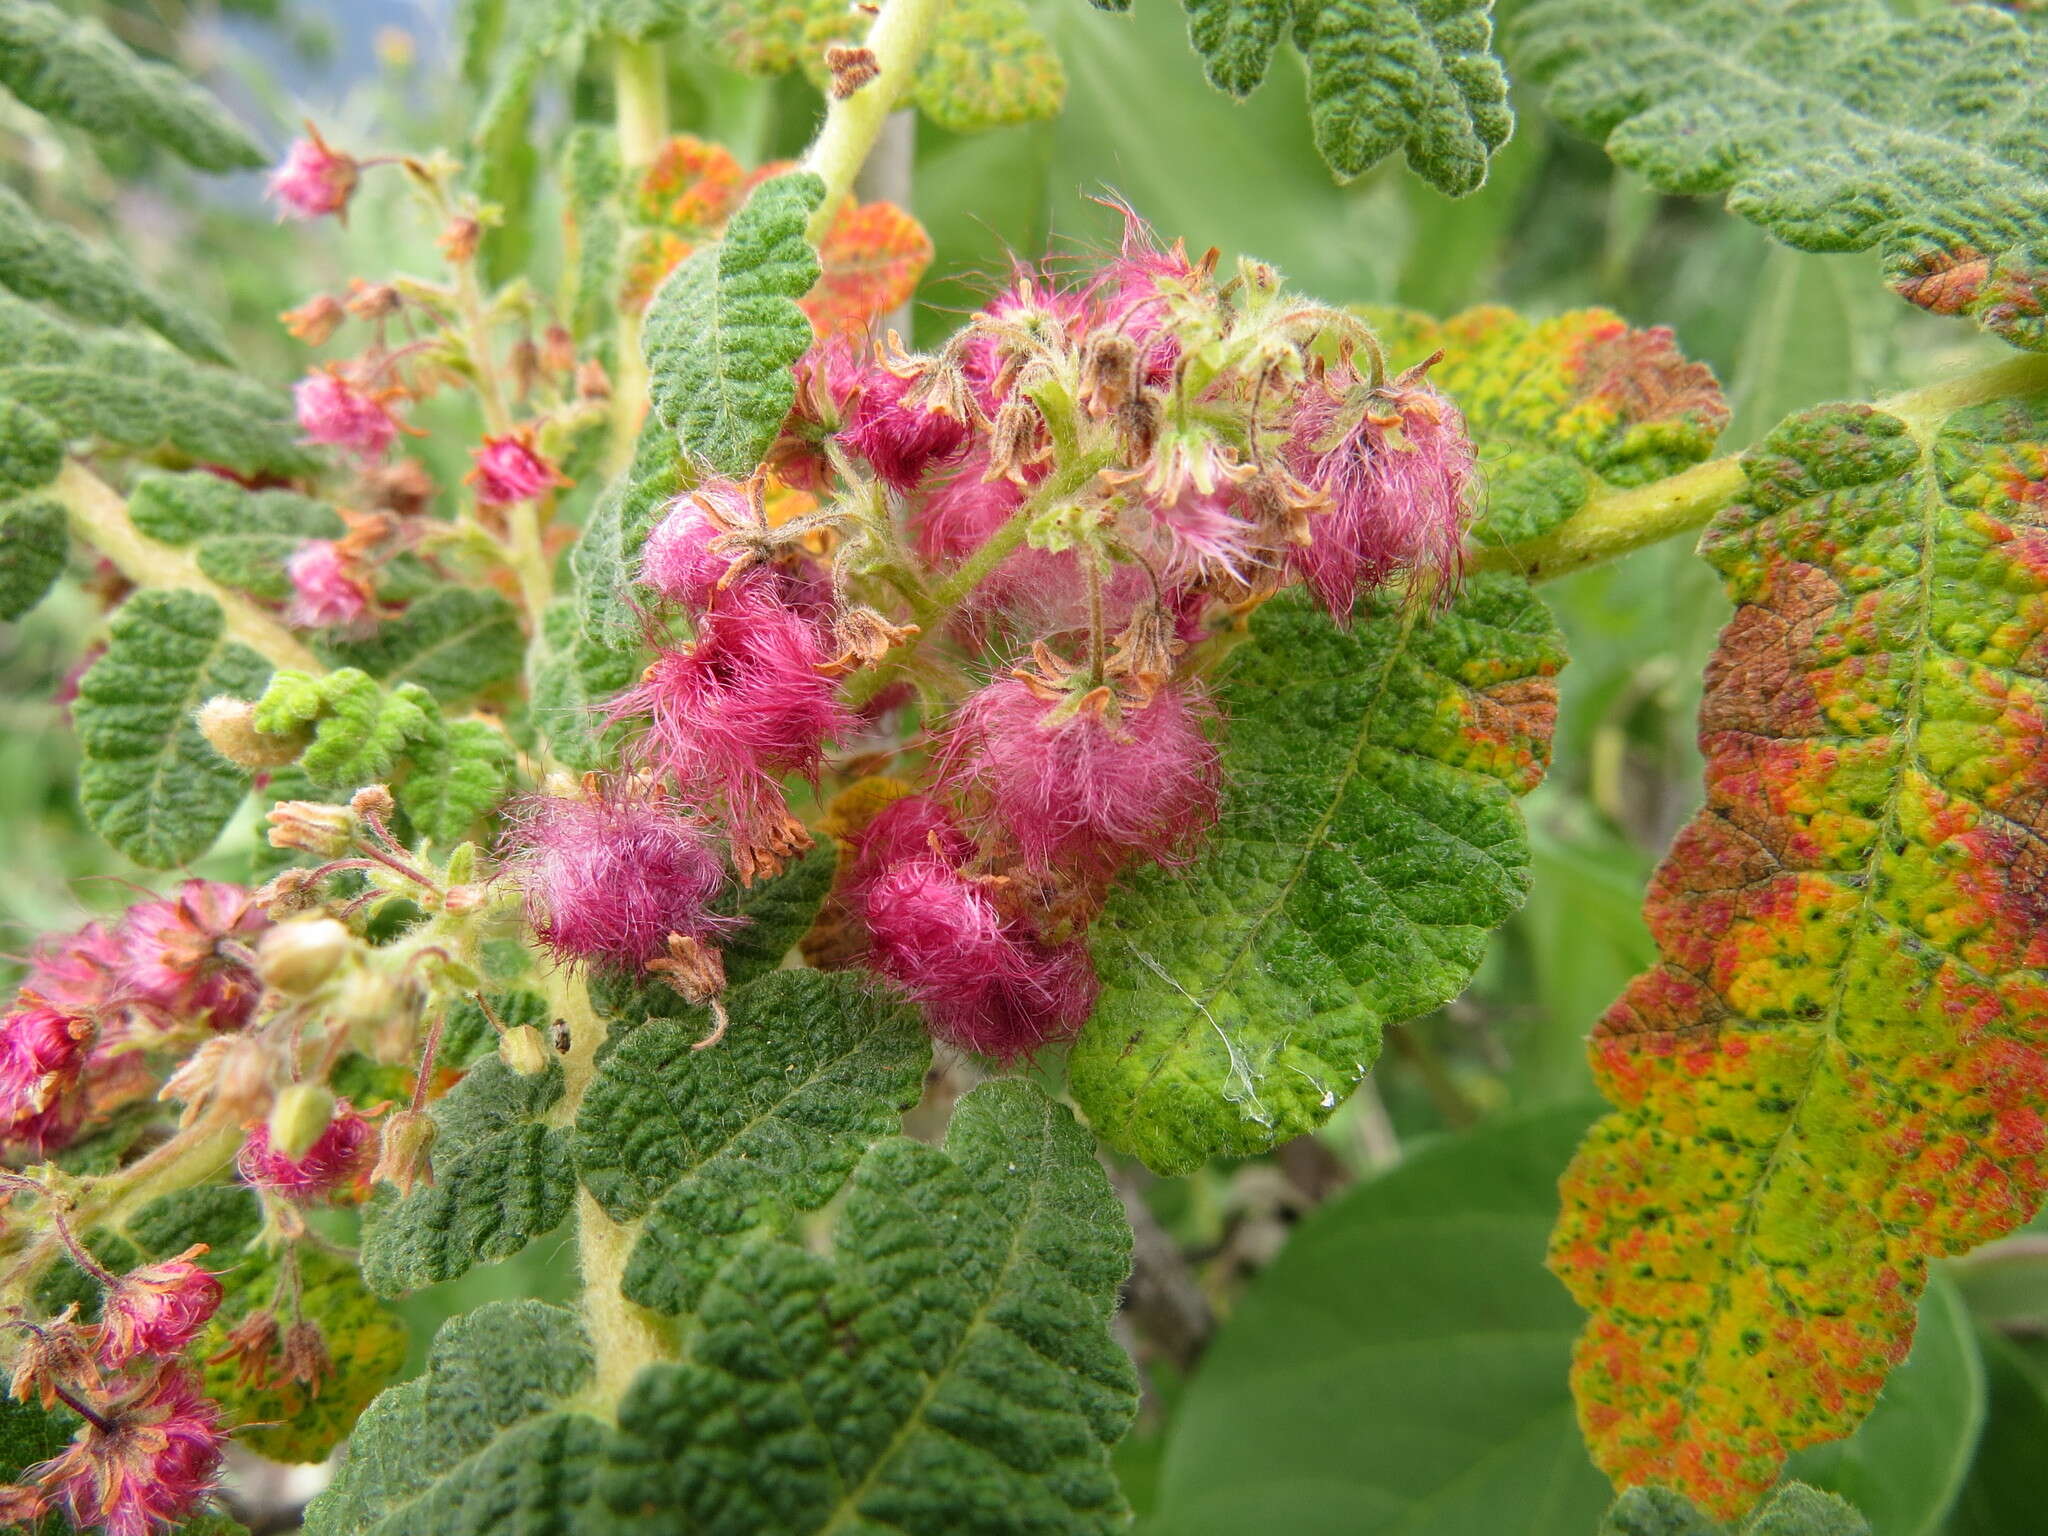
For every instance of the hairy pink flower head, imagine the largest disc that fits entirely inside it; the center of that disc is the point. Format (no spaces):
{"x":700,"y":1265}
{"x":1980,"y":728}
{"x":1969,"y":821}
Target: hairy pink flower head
{"x":43,"y":1054}
{"x":509,"y":469}
{"x":339,"y":1159}
{"x":158,"y":1457}
{"x":1134,"y":293}
{"x":77,"y":972}
{"x":325,"y":595}
{"x":1032,"y":313}
{"x":336,"y":411}
{"x":157,"y":1309}
{"x":188,"y":958}
{"x":899,"y":433}
{"x":608,"y":879}
{"x":678,"y":562}
{"x":915,"y":827}
{"x":986,"y":984}
{"x":1397,"y":467}
{"x":747,"y":704}
{"x":1188,"y":518}
{"x":315,"y":179}
{"x":1081,"y":783}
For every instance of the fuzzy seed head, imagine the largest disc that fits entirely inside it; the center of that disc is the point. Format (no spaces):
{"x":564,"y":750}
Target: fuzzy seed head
{"x":157,"y":1459}
{"x":187,"y":956}
{"x":338,"y":413}
{"x":157,"y":1309}
{"x":314,"y":179}
{"x":509,"y":469}
{"x":334,"y":1162}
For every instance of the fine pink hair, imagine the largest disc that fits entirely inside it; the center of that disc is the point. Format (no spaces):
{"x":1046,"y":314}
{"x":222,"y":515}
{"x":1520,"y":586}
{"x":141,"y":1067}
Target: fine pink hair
{"x":338,"y":1159}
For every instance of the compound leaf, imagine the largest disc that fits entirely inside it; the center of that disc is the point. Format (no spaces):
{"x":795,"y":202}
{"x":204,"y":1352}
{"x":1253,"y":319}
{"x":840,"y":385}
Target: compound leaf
{"x":1837,"y":1071}
{"x":713,"y":1146}
{"x":461,"y":769}
{"x":73,"y":69}
{"x":480,"y":1444}
{"x":725,"y":329}
{"x":35,"y":543}
{"x":951,"y":1369}
{"x":454,"y":642}
{"x":150,"y":783}
{"x":1561,"y":408}
{"x":502,"y":1177}
{"x":1369,"y":844}
{"x":1837,"y":125}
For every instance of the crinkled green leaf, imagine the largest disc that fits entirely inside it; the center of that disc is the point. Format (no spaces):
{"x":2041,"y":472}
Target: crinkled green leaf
{"x":29,"y":1434}
{"x":950,"y":1370}
{"x":150,"y":784}
{"x":502,"y":1177}
{"x":1236,"y":39}
{"x":35,"y":543}
{"x":724,"y":330}
{"x":575,"y":677}
{"x":460,"y":771}
{"x":467,"y":1035}
{"x":776,"y":913}
{"x":46,"y":261}
{"x":1418,"y":75}
{"x":713,"y":1146}
{"x":222,"y":1216}
{"x":480,"y":1444}
{"x":1794,"y":1510}
{"x":454,"y":642}
{"x":607,"y":555}
{"x":73,"y":69}
{"x":31,"y":449}
{"x":1837,"y":125}
{"x":1369,"y":844}
{"x":243,"y":538}
{"x":590,"y":176}
{"x":359,"y":730}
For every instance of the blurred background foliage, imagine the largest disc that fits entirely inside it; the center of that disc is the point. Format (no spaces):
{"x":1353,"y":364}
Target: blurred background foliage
{"x":1410,"y":1317}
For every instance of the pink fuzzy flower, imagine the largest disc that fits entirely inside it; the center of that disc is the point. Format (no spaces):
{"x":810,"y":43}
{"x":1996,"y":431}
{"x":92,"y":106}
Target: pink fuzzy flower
{"x":43,"y":1054}
{"x":735,"y":713}
{"x":314,"y":179}
{"x":1133,"y":295}
{"x":678,"y":562}
{"x":324,"y":594}
{"x":157,"y":1309}
{"x":77,"y":972}
{"x":1081,"y":783}
{"x":336,"y":412}
{"x":1188,"y":517}
{"x":986,"y":985}
{"x":187,"y":958}
{"x":607,"y":880}
{"x":509,"y":469}
{"x":1031,"y":311}
{"x":899,"y":436}
{"x":156,"y":1459}
{"x":341,"y":1157}
{"x":915,"y":827}
{"x":1397,"y":468}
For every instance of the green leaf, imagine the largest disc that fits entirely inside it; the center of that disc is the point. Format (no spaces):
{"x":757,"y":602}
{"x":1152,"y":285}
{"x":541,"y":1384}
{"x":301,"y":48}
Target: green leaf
{"x":479,"y":1445}
{"x":988,"y":66}
{"x":590,"y":176}
{"x":605,"y":558}
{"x":1236,"y":39}
{"x":35,"y":543}
{"x":361,"y":730}
{"x":1369,"y":844}
{"x":950,"y":1370}
{"x":1794,"y":1510}
{"x":724,"y":330}
{"x":1413,"y":74}
{"x":454,"y":642}
{"x":71,"y":68}
{"x":714,"y":1146}
{"x":575,"y":677}
{"x":31,"y":449}
{"x":2003,"y":1493}
{"x":196,"y":507}
{"x":45,"y":261}
{"x":222,"y":1216}
{"x":502,"y":1177}
{"x":460,"y":772}
{"x":1836,"y":125}
{"x":150,"y":784}
{"x":776,"y":913}
{"x":1400,"y":1370}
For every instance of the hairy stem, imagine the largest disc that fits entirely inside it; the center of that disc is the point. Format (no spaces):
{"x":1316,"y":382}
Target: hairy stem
{"x":1623,"y":521}
{"x":852,"y":124}
{"x":99,"y":517}
{"x":640,"y":102}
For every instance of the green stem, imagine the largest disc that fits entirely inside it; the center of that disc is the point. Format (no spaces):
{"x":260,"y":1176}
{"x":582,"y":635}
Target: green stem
{"x":99,"y":517}
{"x":640,"y":101}
{"x":898,"y":40}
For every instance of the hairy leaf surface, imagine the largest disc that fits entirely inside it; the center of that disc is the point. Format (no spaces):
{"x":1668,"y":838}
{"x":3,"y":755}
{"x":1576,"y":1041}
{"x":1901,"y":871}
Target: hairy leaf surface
{"x":150,"y":783}
{"x":1369,"y":843}
{"x":713,"y":1146}
{"x":725,"y":329}
{"x":1837,"y":1072}
{"x":950,"y":1369}
{"x":1837,"y":125}
{"x":1794,"y":1510}
{"x":31,"y":449}
{"x":1561,"y":408}
{"x":461,"y":769}
{"x":454,"y":642}
{"x":35,"y":542}
{"x":359,"y":730}
{"x":502,"y":1177}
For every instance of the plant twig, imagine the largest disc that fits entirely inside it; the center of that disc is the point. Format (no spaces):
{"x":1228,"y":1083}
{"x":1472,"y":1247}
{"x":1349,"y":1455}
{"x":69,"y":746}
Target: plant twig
{"x":897,"y":41}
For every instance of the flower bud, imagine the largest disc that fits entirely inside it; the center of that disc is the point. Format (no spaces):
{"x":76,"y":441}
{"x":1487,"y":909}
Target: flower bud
{"x":315,"y":320}
{"x":524,"y":1050}
{"x":300,"y":1116}
{"x":402,"y":1155}
{"x":458,"y":241}
{"x":232,"y":1073}
{"x":229,"y":726}
{"x":373,"y":800}
{"x":310,"y":826}
{"x":297,"y":957}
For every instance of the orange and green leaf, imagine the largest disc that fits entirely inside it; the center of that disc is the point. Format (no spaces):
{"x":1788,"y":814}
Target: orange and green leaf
{"x":872,"y":258}
{"x":1561,"y":408}
{"x":1839,"y":1069}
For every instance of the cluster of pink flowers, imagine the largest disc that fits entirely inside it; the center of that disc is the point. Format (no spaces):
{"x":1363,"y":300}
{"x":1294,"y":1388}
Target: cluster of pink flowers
{"x":1119,"y":461}
{"x":96,"y":1001}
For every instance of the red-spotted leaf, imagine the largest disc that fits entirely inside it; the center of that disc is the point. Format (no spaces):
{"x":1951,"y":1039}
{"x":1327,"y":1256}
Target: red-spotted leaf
{"x":1562,"y":408}
{"x":690,"y":187}
{"x":1840,"y":1068}
{"x":872,"y":258}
